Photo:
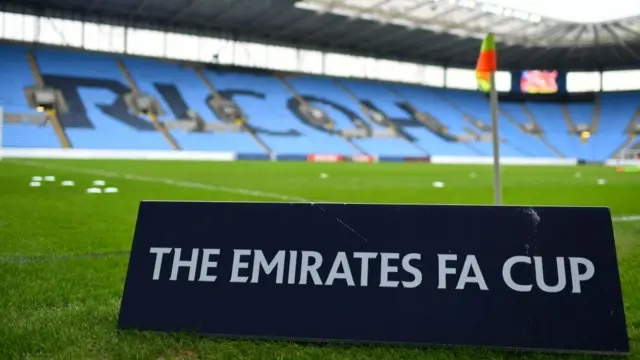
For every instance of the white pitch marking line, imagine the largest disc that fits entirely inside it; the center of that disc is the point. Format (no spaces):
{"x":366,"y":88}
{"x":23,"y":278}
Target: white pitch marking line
{"x":179,"y":183}
{"x":627,"y":218}
{"x":193,"y":185}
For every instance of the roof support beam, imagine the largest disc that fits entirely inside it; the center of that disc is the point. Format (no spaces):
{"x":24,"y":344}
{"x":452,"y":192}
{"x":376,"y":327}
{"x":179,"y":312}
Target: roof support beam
{"x":460,"y":52}
{"x":139,"y":8}
{"x":456,"y":50}
{"x":559,"y":35}
{"x":261,"y":20}
{"x":380,"y":41}
{"x":403,"y":43}
{"x":342,"y":24}
{"x":539,"y":39}
{"x":621,"y":42}
{"x":178,"y":16}
{"x":617,"y":39}
{"x":512,"y":55}
{"x":230,"y":5}
{"x":384,"y":15}
{"x":576,"y":39}
{"x":428,"y":22}
{"x":372,"y":7}
{"x":628,"y":30}
{"x":573,"y":49}
{"x":478,"y":16}
{"x":93,"y":5}
{"x":551,"y":55}
{"x":290,"y":27}
{"x":496,"y":23}
{"x":418,"y":5}
{"x":533,"y":59}
{"x":596,"y":39}
{"x":330,"y":5}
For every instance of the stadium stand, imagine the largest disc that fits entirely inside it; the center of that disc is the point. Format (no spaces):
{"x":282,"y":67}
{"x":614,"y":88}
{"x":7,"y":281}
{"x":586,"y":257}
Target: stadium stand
{"x":191,"y":92}
{"x":13,"y":79}
{"x":272,"y":109}
{"x":619,"y":114}
{"x":518,"y":143}
{"x":551,"y":119}
{"x":386,"y":101}
{"x":267,"y":108}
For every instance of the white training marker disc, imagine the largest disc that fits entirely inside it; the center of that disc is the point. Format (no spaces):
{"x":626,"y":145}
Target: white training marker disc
{"x":98,"y":182}
{"x":49,"y":178}
{"x":324,"y":176}
{"x":602,"y":181}
{"x":34,"y":184}
{"x":36,"y":178}
{"x":68,"y":183}
{"x":111,"y":190}
{"x":438,"y":184}
{"x":94,"y":191}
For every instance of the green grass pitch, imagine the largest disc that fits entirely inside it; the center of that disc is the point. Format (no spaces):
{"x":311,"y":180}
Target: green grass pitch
{"x":59,"y":300}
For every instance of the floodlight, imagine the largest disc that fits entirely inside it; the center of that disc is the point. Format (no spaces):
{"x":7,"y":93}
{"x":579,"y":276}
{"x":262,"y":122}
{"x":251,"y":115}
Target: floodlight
{"x":144,"y":104}
{"x":45,"y":99}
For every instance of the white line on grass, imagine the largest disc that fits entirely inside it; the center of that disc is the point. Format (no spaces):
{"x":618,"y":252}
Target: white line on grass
{"x":627,"y":218}
{"x":180,"y":183}
{"x":211,"y":187}
{"x":56,"y":257}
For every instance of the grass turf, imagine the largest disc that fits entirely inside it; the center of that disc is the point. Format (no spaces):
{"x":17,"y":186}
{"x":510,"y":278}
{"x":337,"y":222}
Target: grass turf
{"x":58,"y":300}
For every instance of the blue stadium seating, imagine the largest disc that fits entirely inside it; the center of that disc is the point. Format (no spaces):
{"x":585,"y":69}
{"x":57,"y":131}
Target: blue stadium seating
{"x":381,"y":95}
{"x":265,"y":99}
{"x":327,"y":89}
{"x":616,"y":111}
{"x":14,"y":77}
{"x":518,"y":143}
{"x":272,"y":113}
{"x":108,"y":134}
{"x":581,"y":112}
{"x":427,"y":100}
{"x":515,"y":111}
{"x":551,"y":119}
{"x":194,"y":92}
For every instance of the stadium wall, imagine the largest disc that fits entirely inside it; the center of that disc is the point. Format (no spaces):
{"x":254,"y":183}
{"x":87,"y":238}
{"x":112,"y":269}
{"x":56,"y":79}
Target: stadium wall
{"x":46,"y":153}
{"x":487,"y":160}
{"x":622,"y":162}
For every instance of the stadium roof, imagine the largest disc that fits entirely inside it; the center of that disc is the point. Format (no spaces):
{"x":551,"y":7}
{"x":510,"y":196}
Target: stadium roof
{"x":443,"y":32}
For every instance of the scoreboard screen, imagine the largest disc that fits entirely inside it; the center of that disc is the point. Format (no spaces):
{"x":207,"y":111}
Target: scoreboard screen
{"x":539,"y":82}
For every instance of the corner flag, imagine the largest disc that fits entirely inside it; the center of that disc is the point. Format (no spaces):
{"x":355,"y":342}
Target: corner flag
{"x":487,"y":63}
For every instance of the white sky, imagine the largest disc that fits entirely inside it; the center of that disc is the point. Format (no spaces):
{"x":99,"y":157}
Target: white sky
{"x":582,"y":11}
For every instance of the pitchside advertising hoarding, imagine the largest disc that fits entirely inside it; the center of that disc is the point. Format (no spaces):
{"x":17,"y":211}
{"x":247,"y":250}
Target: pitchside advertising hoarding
{"x":498,"y":276}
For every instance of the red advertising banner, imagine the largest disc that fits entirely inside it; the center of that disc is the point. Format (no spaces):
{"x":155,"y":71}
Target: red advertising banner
{"x":325,"y":158}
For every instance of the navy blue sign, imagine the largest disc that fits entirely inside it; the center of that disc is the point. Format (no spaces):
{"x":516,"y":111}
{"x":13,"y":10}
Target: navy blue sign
{"x":516,"y":277}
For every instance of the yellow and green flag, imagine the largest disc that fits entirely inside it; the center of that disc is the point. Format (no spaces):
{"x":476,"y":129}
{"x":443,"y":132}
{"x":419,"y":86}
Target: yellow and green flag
{"x":487,"y":63}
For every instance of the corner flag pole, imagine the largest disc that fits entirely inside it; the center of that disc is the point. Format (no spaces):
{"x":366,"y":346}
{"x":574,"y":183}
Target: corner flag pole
{"x":485,"y":74}
{"x":493,"y":103}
